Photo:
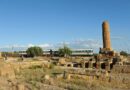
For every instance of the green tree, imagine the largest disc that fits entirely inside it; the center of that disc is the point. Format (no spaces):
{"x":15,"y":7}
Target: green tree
{"x":65,"y":51}
{"x":34,"y":51}
{"x":124,"y":53}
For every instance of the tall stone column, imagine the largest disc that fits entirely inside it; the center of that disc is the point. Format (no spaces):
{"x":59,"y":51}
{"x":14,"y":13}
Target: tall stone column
{"x":106,"y":35}
{"x":0,"y":55}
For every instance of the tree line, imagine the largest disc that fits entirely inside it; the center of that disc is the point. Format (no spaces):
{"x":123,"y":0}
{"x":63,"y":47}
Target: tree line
{"x":38,"y":51}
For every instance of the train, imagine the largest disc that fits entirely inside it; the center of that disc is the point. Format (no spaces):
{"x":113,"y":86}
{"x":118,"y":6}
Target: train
{"x":75,"y":52}
{"x":82,"y":52}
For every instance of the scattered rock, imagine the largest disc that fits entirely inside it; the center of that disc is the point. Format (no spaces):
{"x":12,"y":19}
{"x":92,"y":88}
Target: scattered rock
{"x":46,"y":77}
{"x":62,"y":61}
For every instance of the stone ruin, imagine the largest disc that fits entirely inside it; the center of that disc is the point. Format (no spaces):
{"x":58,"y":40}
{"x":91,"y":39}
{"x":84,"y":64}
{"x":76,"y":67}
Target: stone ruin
{"x":107,"y":59}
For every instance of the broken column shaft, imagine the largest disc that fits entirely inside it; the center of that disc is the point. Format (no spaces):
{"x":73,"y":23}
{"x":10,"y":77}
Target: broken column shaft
{"x":106,"y":36}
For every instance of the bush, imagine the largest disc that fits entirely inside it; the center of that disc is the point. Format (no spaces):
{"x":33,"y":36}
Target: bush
{"x":34,"y":51}
{"x":65,"y":51}
{"x":124,"y":53}
{"x":10,"y":54}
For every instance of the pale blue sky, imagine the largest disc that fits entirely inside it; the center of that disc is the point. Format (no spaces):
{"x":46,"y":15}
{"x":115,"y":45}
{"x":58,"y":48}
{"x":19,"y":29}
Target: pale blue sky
{"x":24,"y":22}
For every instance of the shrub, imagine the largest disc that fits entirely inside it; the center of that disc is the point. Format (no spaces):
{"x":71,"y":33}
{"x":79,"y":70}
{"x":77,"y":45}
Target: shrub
{"x":10,"y":54}
{"x":34,"y":51}
{"x":124,"y":53}
{"x":65,"y":51}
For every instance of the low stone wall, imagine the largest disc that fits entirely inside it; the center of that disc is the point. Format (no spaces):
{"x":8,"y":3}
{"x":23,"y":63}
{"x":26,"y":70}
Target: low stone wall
{"x":82,"y":73}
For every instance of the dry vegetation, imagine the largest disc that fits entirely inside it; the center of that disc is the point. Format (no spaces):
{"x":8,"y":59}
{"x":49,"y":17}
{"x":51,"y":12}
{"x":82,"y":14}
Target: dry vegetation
{"x":42,"y":77}
{"x":35,"y":76}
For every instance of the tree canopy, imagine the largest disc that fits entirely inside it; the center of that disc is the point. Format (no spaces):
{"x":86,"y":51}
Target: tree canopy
{"x":124,"y":53}
{"x":34,"y":51}
{"x":65,"y":51}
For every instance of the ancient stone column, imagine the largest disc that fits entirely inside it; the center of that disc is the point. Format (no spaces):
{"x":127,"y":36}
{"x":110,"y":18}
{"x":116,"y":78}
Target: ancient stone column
{"x":106,"y":35}
{"x":0,"y":55}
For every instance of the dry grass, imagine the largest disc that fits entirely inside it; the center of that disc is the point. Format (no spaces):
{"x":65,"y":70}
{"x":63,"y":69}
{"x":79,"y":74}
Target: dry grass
{"x":33,"y":78}
{"x":35,"y":75}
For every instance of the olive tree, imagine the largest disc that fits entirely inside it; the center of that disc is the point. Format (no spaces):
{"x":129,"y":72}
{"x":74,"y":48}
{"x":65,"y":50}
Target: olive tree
{"x":65,"y":51}
{"x":34,"y":51}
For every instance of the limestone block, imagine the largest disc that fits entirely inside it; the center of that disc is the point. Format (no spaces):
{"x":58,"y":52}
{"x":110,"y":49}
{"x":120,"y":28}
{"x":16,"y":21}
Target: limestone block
{"x":62,"y":61}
